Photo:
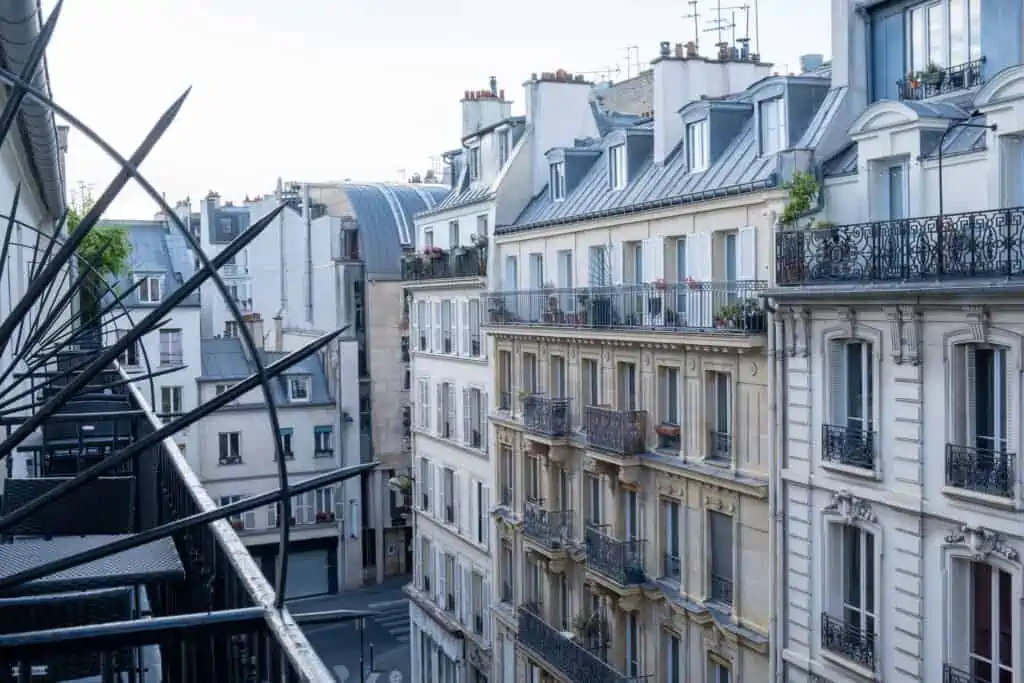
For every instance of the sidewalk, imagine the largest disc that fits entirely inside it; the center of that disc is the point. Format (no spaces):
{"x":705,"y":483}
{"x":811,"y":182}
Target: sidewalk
{"x":367,"y":597}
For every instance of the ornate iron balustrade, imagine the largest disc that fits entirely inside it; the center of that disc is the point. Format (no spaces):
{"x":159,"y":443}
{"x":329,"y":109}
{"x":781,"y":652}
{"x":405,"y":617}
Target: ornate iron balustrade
{"x":621,"y":561}
{"x":721,"y":589}
{"x":619,"y":431}
{"x":982,"y":244}
{"x":563,"y":653}
{"x":981,"y":470}
{"x":673,"y":567}
{"x":545,"y":415}
{"x":552,"y":528}
{"x":719,"y":446}
{"x":951,"y":674}
{"x":921,"y":86}
{"x":505,"y":401}
{"x":848,"y":640}
{"x":848,"y":446}
{"x":470,"y":262}
{"x":672,"y":307}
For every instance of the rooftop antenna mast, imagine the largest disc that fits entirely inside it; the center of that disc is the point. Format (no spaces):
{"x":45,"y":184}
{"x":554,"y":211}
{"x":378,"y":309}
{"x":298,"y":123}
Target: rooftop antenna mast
{"x":695,"y":15}
{"x":604,"y":73}
{"x":745,"y":8}
{"x":718,"y":24}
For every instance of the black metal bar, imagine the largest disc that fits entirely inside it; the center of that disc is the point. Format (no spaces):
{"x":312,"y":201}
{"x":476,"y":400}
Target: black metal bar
{"x":331,"y":616}
{"x":167,"y":430}
{"x":170,"y":528}
{"x":10,"y":228}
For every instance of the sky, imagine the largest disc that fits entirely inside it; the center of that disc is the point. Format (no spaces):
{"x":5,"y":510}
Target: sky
{"x":321,"y":90}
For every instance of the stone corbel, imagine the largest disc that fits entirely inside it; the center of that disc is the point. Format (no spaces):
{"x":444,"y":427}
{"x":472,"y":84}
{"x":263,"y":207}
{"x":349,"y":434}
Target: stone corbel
{"x":630,"y":603}
{"x":780,"y":319}
{"x":804,"y":342}
{"x":911,"y":316}
{"x":981,"y":543}
{"x":892,"y":315}
{"x":849,"y":317}
{"x":979,"y":321}
{"x":850,"y":508}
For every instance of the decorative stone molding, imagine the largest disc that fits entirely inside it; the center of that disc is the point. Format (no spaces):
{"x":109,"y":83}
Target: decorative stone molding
{"x":892,"y":315}
{"x":606,"y":357}
{"x":630,"y":603}
{"x":803,"y":344}
{"x":572,"y":354}
{"x":850,"y":508}
{"x":717,"y":642}
{"x":646,"y":360}
{"x":979,"y":322}
{"x":542,"y":352}
{"x":849,"y":317}
{"x":981,"y":543}
{"x":476,"y":656}
{"x":911,"y":318}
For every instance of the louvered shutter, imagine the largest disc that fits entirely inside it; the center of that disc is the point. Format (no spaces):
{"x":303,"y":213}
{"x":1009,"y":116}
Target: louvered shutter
{"x":417,"y":564}
{"x":1011,"y":376}
{"x":970,"y":396}
{"x":451,"y":412}
{"x":473,"y":519}
{"x":837,"y":382}
{"x":249,"y":519}
{"x":439,"y":425}
{"x":615,"y":269}
{"x":699,"y":306}
{"x":431,"y":493}
{"x":457,"y":502}
{"x":485,"y":428}
{"x":439,"y":478}
{"x":485,"y":609}
{"x":467,"y":426}
{"x":746,"y":262}
{"x":438,"y":347}
{"x":441,"y":582}
{"x":464,"y":331}
{"x":466,"y":595}
{"x":485,"y":520}
{"x":417,"y":485}
{"x":414,"y":327}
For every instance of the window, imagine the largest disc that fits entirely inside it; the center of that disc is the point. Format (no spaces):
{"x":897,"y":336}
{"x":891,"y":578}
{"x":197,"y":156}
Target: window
{"x":849,"y":439}
{"x":506,"y":475}
{"x":507,"y":569}
{"x":617,"y":166}
{"x":170,"y":347}
{"x":149,"y":290}
{"x":446,"y":410}
{"x":425,"y":481}
{"x":718,"y":671}
{"x":454,"y":239}
{"x":130,"y":357}
{"x":627,"y":399}
{"x":446,"y":326}
{"x":428,"y":238}
{"x":449,"y":583}
{"x":529,"y":373}
{"x":481,"y":523}
{"x":406,"y":379}
{"x":423,"y":322}
{"x":673,"y":659}
{"x":170,"y":400}
{"x":719,"y":416}
{"x":474,"y":417}
{"x":448,"y":491}
{"x":557,"y":384}
{"x":286,"y":443}
{"x":481,"y":225}
{"x":243,"y":520}
{"x":720,"y":571}
{"x":230,"y":448}
{"x":849,"y":627}
{"x":558,"y":181}
{"x":771,"y":116}
{"x":670,"y":539}
{"x":504,"y":380}
{"x":633,"y":646}
{"x":426,"y":564}
{"x":982,"y":631}
{"x":531,"y":478}
{"x":230,"y":329}
{"x":503,"y":147}
{"x":895,"y":192}
{"x":221,"y":388}
{"x":298,"y":388}
{"x":945,"y":33}
{"x":474,"y":163}
{"x":475,"y":340}
{"x":668,"y":408}
{"x":592,"y":492}
{"x":423,"y":403}
{"x":697,"y":145}
{"x":531,"y":582}
{"x":324,"y":505}
{"x":589,"y":391}
{"x":323,"y":441}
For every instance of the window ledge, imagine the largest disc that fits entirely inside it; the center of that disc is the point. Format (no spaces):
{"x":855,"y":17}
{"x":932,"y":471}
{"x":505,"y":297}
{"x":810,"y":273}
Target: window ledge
{"x":852,"y":667}
{"x":851,"y":471}
{"x":981,"y":498}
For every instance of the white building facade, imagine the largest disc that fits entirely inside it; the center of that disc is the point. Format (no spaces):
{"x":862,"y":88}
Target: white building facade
{"x":897,"y":346}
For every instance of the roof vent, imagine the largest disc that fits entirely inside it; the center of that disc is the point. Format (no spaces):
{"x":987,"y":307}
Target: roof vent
{"x":665,"y":49}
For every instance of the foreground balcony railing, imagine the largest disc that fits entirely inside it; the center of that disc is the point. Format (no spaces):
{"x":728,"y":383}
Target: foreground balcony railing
{"x":618,"y":431}
{"x":981,"y":470}
{"x":621,"y":561}
{"x":848,"y":640}
{"x":547,"y":416}
{"x":562,"y":652}
{"x":979,"y":244}
{"x":850,"y":446}
{"x":437,"y":264}
{"x":940,"y":81}
{"x":672,"y":307}
{"x":552,"y":528}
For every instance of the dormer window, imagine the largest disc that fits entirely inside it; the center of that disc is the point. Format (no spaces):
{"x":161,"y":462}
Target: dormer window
{"x":504,"y":149}
{"x":697,"y":145}
{"x":617,"y":166}
{"x":771,"y":115}
{"x":474,"y":163}
{"x":558,"y":181}
{"x":298,"y":388}
{"x":149,"y":290}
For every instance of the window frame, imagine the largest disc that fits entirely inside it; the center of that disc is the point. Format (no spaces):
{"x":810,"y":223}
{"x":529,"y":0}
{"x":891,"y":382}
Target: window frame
{"x":771,"y":140}
{"x":971,"y":40}
{"x":171,"y":350}
{"x":225,"y":456}
{"x":176,"y":395}
{"x":306,"y":381}
{"x":145,"y":291}
{"x":618,"y":172}
{"x":473,"y":161}
{"x":697,"y":143}
{"x":556,"y":180}
{"x":323,"y":434}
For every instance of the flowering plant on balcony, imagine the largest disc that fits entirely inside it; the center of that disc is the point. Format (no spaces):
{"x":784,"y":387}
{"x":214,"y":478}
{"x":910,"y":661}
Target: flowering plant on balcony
{"x":691,"y":283}
{"x":659,"y":283}
{"x":433,"y":251}
{"x":667,"y":429}
{"x":324,"y":517}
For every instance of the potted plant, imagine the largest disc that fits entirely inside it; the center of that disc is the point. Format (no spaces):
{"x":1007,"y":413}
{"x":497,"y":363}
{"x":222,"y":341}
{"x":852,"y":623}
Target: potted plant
{"x":659,"y":284}
{"x":324,"y":517}
{"x":691,"y":283}
{"x":933,"y":75}
{"x":433,"y":252}
{"x":753,"y":315}
{"x":728,"y":316}
{"x":668,"y":430}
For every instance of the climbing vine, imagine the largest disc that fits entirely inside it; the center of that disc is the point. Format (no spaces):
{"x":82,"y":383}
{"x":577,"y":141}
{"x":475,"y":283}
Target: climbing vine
{"x":803,"y":192}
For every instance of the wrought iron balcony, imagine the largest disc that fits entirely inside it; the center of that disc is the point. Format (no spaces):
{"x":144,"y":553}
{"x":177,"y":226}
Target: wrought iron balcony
{"x":621,"y":432}
{"x":721,"y":589}
{"x":848,"y":640}
{"x":505,"y":401}
{"x":673,"y":567}
{"x":981,"y":470}
{"x":669,"y":307}
{"x":719,"y":446}
{"x":979,"y":244}
{"x":621,"y":561}
{"x":552,"y":528}
{"x":848,"y":446}
{"x":545,"y":415}
{"x":437,"y":264}
{"x":951,"y":674}
{"x":940,"y":81}
{"x":563,"y":653}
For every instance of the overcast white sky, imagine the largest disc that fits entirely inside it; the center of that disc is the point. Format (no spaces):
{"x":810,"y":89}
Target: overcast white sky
{"x":332,"y":89}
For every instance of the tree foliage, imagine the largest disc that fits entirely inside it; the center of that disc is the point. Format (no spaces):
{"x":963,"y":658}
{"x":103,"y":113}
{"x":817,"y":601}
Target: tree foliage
{"x":103,"y":251}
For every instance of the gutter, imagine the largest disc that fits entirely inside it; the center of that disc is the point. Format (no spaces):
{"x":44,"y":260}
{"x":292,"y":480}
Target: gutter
{"x":20,"y":24}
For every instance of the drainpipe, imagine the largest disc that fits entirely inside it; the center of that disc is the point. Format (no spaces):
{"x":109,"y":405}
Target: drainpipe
{"x":777,"y":540}
{"x":773,"y":541}
{"x":309,"y":253}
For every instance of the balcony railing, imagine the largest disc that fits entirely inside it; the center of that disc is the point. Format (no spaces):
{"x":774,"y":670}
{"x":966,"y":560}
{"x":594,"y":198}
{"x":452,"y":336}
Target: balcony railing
{"x":621,"y":432}
{"x":672,"y":567}
{"x":848,"y":640}
{"x":545,"y":415}
{"x":848,"y":446}
{"x":621,"y":561}
{"x":925,"y":84}
{"x":719,"y":446}
{"x":981,"y":470}
{"x":980,"y":244}
{"x":721,"y":589}
{"x":442,"y":265}
{"x":951,"y":674}
{"x":563,"y":653}
{"x":552,"y":528}
{"x":672,"y":307}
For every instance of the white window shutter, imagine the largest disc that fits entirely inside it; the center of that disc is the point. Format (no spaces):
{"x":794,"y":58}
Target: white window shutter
{"x":457,"y":503}
{"x":958,"y":397}
{"x":616,"y":264}
{"x":440,"y":583}
{"x":485,"y":521}
{"x":417,"y":563}
{"x":746,"y":268}
{"x":453,"y":325}
{"x":1011,"y":378}
{"x":417,"y":485}
{"x":440,"y":408}
{"x":474,"y":511}
{"x":464,"y":328}
{"x":437,"y":346}
{"x":466,"y":426}
{"x":970,"y":395}
{"x":699,"y":304}
{"x":414,"y":327}
{"x":485,"y":608}
{"x":249,"y":519}
{"x":431,"y":497}
{"x":465,"y":595}
{"x":837,"y":382}
{"x":485,"y":429}
{"x":452,"y":411}
{"x":439,"y":478}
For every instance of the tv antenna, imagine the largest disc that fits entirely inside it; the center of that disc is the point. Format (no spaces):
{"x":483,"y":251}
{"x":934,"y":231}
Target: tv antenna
{"x":719,"y":24}
{"x":604,"y":73}
{"x":695,"y":15}
{"x":632,"y":52}
{"x":745,"y":8}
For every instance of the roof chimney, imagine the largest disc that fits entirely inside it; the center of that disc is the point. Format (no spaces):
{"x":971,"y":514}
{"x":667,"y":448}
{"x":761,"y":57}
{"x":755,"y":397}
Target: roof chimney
{"x":665,"y":49}
{"x":494,"y":86}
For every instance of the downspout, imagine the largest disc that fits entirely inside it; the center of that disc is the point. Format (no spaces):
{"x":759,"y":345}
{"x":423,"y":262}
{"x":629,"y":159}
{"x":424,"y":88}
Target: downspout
{"x":774,"y":536}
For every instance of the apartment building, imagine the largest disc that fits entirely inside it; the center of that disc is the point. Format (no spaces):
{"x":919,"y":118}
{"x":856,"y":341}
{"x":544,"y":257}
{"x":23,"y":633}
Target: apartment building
{"x":631,"y":395}
{"x":238,"y":459}
{"x":898,"y":346}
{"x":497,"y":169}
